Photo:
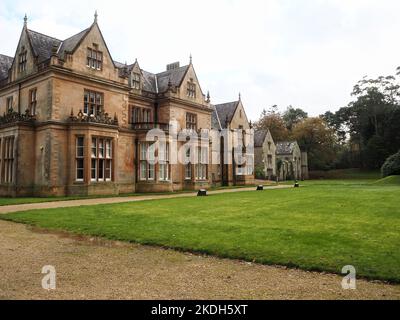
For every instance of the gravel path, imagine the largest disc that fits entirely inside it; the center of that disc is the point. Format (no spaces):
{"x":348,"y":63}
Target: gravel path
{"x":98,"y":269}
{"x":96,"y":201}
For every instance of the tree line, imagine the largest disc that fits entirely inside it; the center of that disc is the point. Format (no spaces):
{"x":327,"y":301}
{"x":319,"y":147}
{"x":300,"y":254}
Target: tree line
{"x":362,"y":134}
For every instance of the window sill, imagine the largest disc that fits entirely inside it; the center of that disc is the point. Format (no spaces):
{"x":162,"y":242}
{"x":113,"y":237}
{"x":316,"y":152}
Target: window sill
{"x":100,"y":182}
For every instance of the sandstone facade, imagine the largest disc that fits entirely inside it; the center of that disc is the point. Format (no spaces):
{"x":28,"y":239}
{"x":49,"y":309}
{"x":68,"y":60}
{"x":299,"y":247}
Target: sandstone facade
{"x":75,"y":122}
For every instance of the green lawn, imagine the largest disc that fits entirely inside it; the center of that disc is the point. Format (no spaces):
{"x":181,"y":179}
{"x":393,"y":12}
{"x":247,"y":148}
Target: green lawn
{"x":8,"y":201}
{"x":322,"y":226}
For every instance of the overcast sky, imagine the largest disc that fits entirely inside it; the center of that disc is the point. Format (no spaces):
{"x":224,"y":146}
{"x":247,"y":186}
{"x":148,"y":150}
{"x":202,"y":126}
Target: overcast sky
{"x":305,"y":53}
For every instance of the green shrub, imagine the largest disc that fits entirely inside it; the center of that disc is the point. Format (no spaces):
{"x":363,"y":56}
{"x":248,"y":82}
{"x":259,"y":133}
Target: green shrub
{"x":392,"y":166}
{"x":259,"y":172}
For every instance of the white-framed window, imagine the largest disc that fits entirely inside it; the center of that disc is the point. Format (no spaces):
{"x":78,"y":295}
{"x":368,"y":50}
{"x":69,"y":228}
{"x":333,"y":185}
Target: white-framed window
{"x":7,"y":159}
{"x":138,"y":115}
{"x":143,"y":170}
{"x":188,"y":172}
{"x":79,"y":158}
{"x":191,"y":121}
{"x":146,"y":115}
{"x":32,"y":101}
{"x":93,"y":102}
{"x":101,"y":162}
{"x":23,"y":58}
{"x":163,"y":164}
{"x":151,"y":161}
{"x":136,"y":80}
{"x":188,"y":164}
{"x":202,"y":163}
{"x":147,"y":161}
{"x":191,"y":89}
{"x":94,"y":59}
{"x":240,"y":170}
{"x":250,"y":165}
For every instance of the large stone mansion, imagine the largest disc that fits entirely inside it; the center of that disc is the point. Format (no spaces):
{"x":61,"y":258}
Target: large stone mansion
{"x":75,"y":122}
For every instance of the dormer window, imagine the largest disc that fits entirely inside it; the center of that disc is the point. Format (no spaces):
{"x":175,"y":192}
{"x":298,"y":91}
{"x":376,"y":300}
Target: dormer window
{"x":136,"y":81}
{"x":22,"y":60}
{"x":191,"y":89}
{"x":94,"y":59}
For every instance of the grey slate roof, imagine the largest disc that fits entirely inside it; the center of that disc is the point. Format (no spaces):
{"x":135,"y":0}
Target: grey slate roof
{"x":259,"y":138}
{"x":175,"y":75}
{"x":285,"y":147}
{"x":42,"y":45}
{"x":5,"y":65}
{"x":215,"y":121}
{"x":69,"y":45}
{"x":121,"y":65}
{"x":226,"y":111}
{"x":158,"y":83}
{"x":149,"y":82}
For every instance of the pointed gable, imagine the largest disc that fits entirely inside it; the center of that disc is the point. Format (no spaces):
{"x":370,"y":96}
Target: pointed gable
{"x":24,"y":46}
{"x":286,"y":147}
{"x":226,"y":111}
{"x":259,"y":138}
{"x":74,"y":52}
{"x":174,"y":76}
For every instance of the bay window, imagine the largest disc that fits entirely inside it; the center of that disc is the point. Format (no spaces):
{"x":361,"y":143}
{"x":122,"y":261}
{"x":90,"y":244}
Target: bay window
{"x":79,"y":158}
{"x":188,"y":165}
{"x":240,"y":170}
{"x":101,"y":159}
{"x":138,"y":115}
{"x":202,"y":163}
{"x":163,"y":164}
{"x":147,"y":161}
{"x":7,"y":159}
{"x":250,"y":165}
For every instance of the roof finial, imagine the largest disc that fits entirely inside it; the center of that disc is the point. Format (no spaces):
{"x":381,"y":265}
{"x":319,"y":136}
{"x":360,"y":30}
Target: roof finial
{"x":95,"y":16}
{"x":25,"y":20}
{"x":208,"y":97}
{"x":240,"y":96}
{"x":191,"y":58}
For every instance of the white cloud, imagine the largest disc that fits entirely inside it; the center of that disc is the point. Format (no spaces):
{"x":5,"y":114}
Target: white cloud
{"x":307,"y":53}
